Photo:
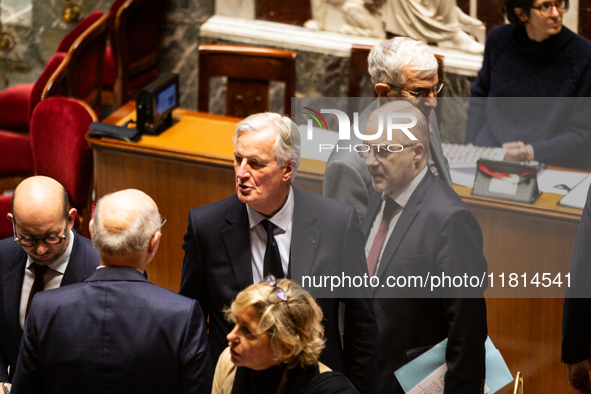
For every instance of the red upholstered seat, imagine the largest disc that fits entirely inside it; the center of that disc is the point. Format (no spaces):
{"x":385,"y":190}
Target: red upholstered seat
{"x":15,"y":149}
{"x":131,"y":61}
{"x":16,"y":157}
{"x":14,"y":102}
{"x":15,"y":107}
{"x":87,"y":54}
{"x":68,"y":41}
{"x":5,"y":225}
{"x":56,"y":63}
{"x":75,"y":70}
{"x":110,"y":69}
{"x":58,"y":126}
{"x":60,"y":151}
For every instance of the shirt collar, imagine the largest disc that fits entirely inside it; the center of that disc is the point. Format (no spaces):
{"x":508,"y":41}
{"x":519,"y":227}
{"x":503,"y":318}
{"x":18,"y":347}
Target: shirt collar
{"x":281,"y":219}
{"x":403,"y":195}
{"x":61,"y":263}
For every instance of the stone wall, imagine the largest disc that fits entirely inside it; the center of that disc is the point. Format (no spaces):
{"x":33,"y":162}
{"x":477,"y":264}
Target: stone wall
{"x":35,"y":44}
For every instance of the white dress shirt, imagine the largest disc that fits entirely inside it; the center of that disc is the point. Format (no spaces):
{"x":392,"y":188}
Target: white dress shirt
{"x":52,"y":277}
{"x":258,"y":236}
{"x":401,"y":197}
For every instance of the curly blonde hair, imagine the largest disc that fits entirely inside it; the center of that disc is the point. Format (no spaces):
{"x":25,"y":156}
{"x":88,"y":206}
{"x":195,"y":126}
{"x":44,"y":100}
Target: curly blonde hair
{"x":293,"y":326}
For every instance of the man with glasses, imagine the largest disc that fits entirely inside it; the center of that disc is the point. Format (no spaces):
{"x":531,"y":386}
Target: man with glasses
{"x":44,"y":253}
{"x":417,"y":226}
{"x":536,"y":57}
{"x":400,"y":68}
{"x":116,"y":332}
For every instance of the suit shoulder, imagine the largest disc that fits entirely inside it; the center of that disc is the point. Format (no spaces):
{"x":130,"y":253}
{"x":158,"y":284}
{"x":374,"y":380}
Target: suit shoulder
{"x":62,"y":296}
{"x":7,"y":245}
{"x":345,"y":161}
{"x":165,"y":300}
{"x":84,"y":256}
{"x":214,"y":210}
{"x":83,"y":240}
{"x":10,"y":252}
{"x":157,"y":298}
{"x":323,"y":205}
{"x":444,"y":199}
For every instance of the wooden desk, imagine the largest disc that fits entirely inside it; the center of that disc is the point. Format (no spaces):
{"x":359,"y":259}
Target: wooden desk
{"x":191,"y":165}
{"x":518,"y":238}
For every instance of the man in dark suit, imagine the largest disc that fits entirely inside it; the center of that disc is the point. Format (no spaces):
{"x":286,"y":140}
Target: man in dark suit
{"x":418,"y":227}
{"x":116,"y":332}
{"x":576,"y":320}
{"x":43,"y":242}
{"x":400,"y":67}
{"x":270,"y":226}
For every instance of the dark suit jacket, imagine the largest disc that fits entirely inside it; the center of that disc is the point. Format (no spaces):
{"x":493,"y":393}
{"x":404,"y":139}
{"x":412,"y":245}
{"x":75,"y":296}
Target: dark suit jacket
{"x":576,"y":319}
{"x":83,"y":262}
{"x":114,"y":333}
{"x":346,"y":177}
{"x":217,"y":266}
{"x":435,"y":233}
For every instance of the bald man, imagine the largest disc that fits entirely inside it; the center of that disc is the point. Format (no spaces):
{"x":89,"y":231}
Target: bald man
{"x":116,"y":332}
{"x":43,"y":243}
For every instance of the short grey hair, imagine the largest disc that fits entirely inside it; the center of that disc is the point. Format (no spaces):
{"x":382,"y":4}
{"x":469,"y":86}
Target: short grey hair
{"x":387,"y":59}
{"x":421,"y":130}
{"x":133,"y":239}
{"x":288,"y":144}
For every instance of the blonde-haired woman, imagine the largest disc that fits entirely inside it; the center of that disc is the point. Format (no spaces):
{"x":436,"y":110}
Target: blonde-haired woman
{"x":275,"y":344}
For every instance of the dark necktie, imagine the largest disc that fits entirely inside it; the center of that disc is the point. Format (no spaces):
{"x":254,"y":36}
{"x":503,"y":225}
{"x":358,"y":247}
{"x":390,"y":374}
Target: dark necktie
{"x":272,"y":262}
{"x":380,"y":238}
{"x":38,"y":284}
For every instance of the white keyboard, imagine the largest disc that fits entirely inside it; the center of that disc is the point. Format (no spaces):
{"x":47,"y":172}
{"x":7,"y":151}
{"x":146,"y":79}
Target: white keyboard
{"x":467,"y":156}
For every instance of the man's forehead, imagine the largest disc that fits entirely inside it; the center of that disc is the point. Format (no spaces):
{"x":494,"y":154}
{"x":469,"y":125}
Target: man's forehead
{"x":267,"y":133}
{"x":411,"y":78}
{"x":39,"y":226}
{"x":259,"y":142}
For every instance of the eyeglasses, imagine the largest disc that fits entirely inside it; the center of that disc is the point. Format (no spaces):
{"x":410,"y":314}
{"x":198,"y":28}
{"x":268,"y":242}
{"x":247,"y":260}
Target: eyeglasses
{"x":163,"y":219}
{"x":421,"y":93}
{"x":382,"y":151}
{"x":546,"y":8}
{"x":50,"y":240}
{"x":277,"y":295}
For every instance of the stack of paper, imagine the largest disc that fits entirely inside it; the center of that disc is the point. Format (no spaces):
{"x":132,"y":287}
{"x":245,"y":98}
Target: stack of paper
{"x":426,"y":373}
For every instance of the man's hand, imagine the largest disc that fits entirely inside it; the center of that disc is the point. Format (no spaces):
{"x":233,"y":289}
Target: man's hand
{"x":578,"y":377}
{"x":518,"y":151}
{"x":2,"y":385}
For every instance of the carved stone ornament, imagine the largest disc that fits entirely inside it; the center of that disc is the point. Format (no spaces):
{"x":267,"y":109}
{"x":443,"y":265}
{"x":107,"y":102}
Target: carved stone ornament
{"x":431,"y":21}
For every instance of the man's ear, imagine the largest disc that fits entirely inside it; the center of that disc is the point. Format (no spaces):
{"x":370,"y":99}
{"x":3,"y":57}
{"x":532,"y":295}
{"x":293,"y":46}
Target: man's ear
{"x":521,"y":14}
{"x":289,"y":166}
{"x":90,"y":227}
{"x":72,"y":217}
{"x":419,"y":151}
{"x":154,"y":242}
{"x":382,"y":89}
{"x":9,"y":216}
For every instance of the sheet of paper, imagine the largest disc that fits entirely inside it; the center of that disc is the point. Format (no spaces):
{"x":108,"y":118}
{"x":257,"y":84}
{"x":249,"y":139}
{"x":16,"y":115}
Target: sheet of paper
{"x":435,"y":383}
{"x":576,"y":198}
{"x":427,"y":365}
{"x":506,"y":185}
{"x":463,"y":176}
{"x":549,"y":181}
